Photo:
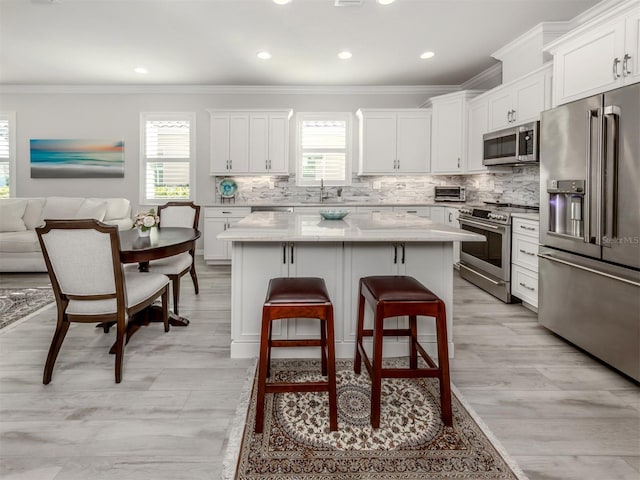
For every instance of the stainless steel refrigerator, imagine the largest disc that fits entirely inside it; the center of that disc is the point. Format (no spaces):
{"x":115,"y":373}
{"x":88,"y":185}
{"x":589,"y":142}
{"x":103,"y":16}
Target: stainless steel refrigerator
{"x":589,"y":270}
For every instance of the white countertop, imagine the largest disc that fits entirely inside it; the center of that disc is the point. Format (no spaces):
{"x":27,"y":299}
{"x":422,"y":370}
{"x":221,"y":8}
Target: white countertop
{"x":355,"y":227}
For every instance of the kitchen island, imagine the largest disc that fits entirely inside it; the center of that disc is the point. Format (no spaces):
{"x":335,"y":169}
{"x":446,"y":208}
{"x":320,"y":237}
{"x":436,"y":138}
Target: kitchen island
{"x":281,"y":244}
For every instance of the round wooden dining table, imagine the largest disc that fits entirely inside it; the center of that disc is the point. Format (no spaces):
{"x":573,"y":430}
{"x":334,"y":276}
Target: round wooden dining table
{"x":161,"y":243}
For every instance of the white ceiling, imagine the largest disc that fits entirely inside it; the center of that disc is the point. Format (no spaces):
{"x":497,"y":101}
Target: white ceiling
{"x":215,"y":42}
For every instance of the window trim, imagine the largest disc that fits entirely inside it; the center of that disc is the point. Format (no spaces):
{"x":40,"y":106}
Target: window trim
{"x":348,"y":117}
{"x":10,"y":116}
{"x":168,"y":116}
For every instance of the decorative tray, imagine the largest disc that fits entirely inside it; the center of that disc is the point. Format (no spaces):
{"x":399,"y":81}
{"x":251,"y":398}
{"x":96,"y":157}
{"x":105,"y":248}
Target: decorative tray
{"x":227,"y":188}
{"x":333,"y":214}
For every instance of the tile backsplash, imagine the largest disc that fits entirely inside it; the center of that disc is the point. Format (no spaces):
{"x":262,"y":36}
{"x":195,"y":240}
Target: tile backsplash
{"x":519,"y":186}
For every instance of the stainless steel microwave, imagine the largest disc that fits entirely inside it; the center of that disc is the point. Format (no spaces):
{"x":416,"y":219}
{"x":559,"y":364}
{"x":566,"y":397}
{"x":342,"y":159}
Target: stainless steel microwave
{"x":512,"y":146}
{"x":449,"y":194}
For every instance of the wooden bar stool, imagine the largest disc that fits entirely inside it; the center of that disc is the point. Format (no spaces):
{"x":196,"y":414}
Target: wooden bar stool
{"x":392,"y":296}
{"x":302,"y":297}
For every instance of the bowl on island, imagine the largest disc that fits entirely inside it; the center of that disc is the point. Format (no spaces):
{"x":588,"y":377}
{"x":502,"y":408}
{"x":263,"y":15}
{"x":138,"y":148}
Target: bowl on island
{"x":333,"y":214}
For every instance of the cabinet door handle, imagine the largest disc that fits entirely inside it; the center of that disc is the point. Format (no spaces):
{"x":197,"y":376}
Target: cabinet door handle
{"x":402,"y":245}
{"x":292,"y":254}
{"x":513,"y":115}
{"x":616,"y":75}
{"x":625,"y":64}
{"x":398,"y":164}
{"x":458,"y":162}
{"x":524,"y":227}
{"x":450,"y":217}
{"x":527,"y":287}
{"x":509,"y":116}
{"x":527,"y":253}
{"x":284,"y":253}
{"x":395,"y":254}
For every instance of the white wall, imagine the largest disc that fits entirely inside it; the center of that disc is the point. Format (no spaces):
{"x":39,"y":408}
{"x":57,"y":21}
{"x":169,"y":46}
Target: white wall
{"x":117,"y":115}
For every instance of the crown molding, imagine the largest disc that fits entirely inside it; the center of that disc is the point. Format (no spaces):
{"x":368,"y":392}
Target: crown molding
{"x":491,"y":76}
{"x":428,"y":90}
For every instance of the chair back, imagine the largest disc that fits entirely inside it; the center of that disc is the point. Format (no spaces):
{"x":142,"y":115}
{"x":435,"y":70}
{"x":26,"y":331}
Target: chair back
{"x":179,"y":214}
{"x":83,"y":259}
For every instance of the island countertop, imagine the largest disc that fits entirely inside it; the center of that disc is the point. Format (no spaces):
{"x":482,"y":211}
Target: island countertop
{"x":355,"y":227}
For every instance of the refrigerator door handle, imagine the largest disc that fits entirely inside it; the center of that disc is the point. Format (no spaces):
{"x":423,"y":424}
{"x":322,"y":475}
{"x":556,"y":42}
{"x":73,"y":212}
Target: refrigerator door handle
{"x":600,"y":177}
{"x":610,"y":155}
{"x":587,"y":269}
{"x":587,"y":176}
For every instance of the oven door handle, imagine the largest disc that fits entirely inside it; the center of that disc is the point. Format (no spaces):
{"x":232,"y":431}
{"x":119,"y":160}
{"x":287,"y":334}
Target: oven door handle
{"x":483,"y":276}
{"x":483,"y":225}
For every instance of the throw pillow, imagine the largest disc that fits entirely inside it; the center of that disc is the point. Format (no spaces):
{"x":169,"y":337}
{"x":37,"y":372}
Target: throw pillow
{"x":92,"y":209}
{"x":11,"y":216}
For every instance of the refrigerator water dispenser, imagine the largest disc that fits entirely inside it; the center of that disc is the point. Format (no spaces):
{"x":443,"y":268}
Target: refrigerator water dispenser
{"x":566,"y":202}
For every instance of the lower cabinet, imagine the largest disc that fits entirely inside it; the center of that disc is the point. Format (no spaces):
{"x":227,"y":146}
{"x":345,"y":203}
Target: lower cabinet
{"x":341,"y":265}
{"x":217,"y":220}
{"x":524,"y":261}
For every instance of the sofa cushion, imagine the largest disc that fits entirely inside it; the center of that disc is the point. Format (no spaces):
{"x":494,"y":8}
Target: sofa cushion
{"x":92,"y":208}
{"x":19,"y":242}
{"x":33,"y":214}
{"x":116,"y":207}
{"x":11,"y":213}
{"x":62,"y":208}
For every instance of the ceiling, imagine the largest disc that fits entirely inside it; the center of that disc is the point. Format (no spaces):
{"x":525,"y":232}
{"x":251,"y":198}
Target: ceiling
{"x":215,"y":42}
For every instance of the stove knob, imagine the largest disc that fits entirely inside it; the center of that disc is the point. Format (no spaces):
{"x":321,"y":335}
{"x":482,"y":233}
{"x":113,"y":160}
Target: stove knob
{"x":502,"y":217}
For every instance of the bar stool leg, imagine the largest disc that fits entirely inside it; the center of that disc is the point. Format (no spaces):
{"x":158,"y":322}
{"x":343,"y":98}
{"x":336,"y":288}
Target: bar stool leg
{"x":263,"y":366}
{"x":376,"y":374}
{"x":331,"y":352}
{"x":413,"y":351}
{"x":323,"y":347}
{"x":443,"y":365}
{"x":357,"y":362}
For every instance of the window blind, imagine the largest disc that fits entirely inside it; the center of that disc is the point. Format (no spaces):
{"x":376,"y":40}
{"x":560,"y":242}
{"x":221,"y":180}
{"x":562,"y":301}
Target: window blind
{"x":323,"y":151}
{"x":168,"y":155}
{"x":5,"y":158}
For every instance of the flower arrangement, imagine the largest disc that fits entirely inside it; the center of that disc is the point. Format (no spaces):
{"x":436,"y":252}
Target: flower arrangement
{"x":146,"y":220}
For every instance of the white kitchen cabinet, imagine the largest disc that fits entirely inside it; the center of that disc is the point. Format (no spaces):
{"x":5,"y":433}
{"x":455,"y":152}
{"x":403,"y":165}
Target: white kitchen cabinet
{"x":524,"y":261}
{"x":282,"y":259}
{"x":451,"y":219}
{"x":478,"y":125}
{"x":449,"y":131}
{"x":600,"y":55}
{"x":394,"y":141}
{"x":520,"y":101}
{"x":249,"y":142}
{"x":217,"y":220}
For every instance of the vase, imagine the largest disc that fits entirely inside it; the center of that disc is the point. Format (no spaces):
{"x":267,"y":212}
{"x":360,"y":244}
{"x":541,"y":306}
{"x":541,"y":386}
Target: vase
{"x":144,"y":233}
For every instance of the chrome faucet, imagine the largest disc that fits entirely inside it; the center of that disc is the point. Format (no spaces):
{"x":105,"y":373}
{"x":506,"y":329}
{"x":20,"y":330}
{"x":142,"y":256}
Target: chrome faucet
{"x":323,"y":196}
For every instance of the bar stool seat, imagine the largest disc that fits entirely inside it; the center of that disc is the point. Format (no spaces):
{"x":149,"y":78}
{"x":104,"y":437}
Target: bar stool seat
{"x":302,"y":297}
{"x":400,"y":295}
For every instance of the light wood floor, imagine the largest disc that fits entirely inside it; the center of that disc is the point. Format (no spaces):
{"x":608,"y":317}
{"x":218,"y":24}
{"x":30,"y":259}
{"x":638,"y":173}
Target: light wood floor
{"x":557,"y":411}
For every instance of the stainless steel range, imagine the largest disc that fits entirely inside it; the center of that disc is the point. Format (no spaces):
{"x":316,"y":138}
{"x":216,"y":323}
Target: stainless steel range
{"x":488,"y":264}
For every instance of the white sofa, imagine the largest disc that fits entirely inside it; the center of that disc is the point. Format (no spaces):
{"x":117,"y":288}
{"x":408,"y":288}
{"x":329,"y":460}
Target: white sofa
{"x":19,"y":247}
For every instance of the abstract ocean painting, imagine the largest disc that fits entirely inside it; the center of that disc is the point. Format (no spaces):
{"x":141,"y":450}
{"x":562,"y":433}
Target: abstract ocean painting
{"x":68,"y":158}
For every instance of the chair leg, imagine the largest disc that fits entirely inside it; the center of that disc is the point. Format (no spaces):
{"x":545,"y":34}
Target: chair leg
{"x":165,"y":308}
{"x":120,"y":334}
{"x":175,"y":287}
{"x":443,"y":365}
{"x":331,"y":374}
{"x":376,"y":374}
{"x":56,"y":342}
{"x":413,"y":351}
{"x":262,"y":371}
{"x":357,"y":362}
{"x":192,"y":272}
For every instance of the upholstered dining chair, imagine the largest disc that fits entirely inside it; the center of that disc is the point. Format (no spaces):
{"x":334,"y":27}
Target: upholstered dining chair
{"x":177,"y":214}
{"x":83,"y":261}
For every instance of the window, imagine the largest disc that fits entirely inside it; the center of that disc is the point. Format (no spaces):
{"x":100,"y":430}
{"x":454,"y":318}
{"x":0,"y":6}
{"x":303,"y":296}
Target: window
{"x":324,"y":149}
{"x":7,"y":154}
{"x":168,"y":157}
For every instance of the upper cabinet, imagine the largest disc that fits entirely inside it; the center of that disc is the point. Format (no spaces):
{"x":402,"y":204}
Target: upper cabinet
{"x":598,"y":56}
{"x":394,"y":141}
{"x":520,"y":101}
{"x":250,"y":142}
{"x":449,"y":131}
{"x":478,"y":125}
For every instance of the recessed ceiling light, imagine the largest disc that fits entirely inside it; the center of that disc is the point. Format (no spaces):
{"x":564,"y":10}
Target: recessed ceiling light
{"x":264,"y":55}
{"x":141,"y":70}
{"x":426,"y":55}
{"x":386,"y":2}
{"x":345,"y":55}
{"x":281,"y":2}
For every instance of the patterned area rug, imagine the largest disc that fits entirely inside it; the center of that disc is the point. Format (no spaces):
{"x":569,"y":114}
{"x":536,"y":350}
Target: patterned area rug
{"x":17,"y":303}
{"x":411,"y":443}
